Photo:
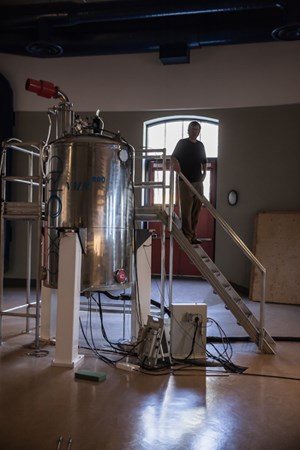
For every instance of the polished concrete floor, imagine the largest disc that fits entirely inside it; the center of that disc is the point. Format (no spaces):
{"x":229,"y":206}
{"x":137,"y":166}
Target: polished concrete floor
{"x":188,"y":408}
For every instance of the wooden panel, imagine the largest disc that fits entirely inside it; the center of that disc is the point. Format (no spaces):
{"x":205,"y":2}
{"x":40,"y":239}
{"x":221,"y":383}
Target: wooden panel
{"x":277,"y":247}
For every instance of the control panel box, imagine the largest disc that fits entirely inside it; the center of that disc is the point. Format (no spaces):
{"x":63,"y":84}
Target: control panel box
{"x":188,"y":330}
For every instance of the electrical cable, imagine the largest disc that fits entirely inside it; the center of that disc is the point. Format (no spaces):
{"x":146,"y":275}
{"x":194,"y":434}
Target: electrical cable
{"x":226,"y":344}
{"x":224,"y":358}
{"x":226,"y":363}
{"x":116,"y":297}
{"x":248,"y":339}
{"x":98,"y":303}
{"x":158,"y":305}
{"x":93,"y":346}
{"x":280,"y":377}
{"x":101,"y":357}
{"x":115,"y":348}
{"x":196,"y":327}
{"x":42,"y":160}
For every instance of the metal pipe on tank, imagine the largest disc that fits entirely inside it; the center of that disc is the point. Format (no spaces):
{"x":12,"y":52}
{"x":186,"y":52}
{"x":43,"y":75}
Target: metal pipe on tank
{"x":64,"y":119}
{"x":63,"y":112}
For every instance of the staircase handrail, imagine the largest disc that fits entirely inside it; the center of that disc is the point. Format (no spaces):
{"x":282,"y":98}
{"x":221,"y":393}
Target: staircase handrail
{"x":237,"y":240}
{"x":224,"y":224}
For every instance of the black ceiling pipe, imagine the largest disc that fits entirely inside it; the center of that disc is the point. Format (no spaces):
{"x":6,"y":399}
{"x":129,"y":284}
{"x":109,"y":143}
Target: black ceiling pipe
{"x":89,"y":42}
{"x":71,"y":13}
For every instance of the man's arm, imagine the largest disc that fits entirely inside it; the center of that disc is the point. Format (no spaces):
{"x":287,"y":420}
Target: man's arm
{"x":175,"y":164}
{"x":203,"y":171}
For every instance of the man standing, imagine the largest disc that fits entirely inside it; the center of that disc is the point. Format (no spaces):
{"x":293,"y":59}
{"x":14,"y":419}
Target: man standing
{"x":189,"y":157}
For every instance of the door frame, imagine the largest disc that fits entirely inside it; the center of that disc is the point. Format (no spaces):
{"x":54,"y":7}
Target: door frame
{"x":182,"y":266}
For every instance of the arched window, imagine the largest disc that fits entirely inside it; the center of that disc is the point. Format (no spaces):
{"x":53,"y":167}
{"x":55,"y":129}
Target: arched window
{"x":165,"y":132}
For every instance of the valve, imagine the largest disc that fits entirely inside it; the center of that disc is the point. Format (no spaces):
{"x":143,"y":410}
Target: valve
{"x":42,"y":88}
{"x":46,"y":89}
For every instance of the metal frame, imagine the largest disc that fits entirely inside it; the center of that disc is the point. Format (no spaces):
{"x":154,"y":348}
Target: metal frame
{"x":29,"y":211}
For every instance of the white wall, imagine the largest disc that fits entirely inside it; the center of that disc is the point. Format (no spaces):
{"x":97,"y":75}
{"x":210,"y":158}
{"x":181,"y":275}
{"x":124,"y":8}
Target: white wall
{"x":217,"y":77}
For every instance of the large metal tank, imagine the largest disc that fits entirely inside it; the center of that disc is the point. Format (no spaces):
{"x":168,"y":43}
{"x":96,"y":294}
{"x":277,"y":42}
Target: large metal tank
{"x":89,"y":189}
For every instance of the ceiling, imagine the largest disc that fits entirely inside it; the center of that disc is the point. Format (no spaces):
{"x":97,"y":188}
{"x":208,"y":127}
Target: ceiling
{"x":46,"y":29}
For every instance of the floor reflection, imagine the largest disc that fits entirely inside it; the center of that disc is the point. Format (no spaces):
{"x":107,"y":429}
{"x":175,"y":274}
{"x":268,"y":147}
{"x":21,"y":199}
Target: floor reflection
{"x":171,"y":415}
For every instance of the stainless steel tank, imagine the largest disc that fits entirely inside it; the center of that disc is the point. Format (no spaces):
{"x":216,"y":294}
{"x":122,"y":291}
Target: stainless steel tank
{"x":89,"y":189}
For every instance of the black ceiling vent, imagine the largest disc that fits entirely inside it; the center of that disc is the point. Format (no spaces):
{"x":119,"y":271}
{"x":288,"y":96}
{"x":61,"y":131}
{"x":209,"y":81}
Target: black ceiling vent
{"x":43,"y":49}
{"x":287,"y":33}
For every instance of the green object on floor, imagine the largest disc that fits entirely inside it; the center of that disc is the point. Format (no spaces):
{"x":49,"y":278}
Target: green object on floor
{"x":89,"y":375}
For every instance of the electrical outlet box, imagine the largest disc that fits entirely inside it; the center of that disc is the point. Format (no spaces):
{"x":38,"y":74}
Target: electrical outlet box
{"x":188,"y":330}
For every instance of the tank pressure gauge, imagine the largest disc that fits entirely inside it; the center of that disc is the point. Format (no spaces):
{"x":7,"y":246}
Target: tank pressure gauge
{"x":121,"y":276}
{"x":123,"y":155}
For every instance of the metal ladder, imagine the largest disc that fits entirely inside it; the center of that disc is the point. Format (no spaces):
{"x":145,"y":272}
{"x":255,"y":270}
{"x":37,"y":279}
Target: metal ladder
{"x":222,"y":286}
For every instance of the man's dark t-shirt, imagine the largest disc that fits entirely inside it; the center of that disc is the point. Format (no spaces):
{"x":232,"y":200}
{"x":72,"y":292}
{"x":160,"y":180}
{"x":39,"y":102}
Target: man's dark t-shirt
{"x":190,"y":156}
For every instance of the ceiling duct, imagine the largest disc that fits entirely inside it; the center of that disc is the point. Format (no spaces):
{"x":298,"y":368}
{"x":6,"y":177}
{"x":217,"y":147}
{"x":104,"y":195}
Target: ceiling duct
{"x":134,"y":26}
{"x":113,"y":11}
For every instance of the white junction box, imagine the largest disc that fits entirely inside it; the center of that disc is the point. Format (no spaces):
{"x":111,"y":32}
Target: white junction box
{"x":188,"y":330}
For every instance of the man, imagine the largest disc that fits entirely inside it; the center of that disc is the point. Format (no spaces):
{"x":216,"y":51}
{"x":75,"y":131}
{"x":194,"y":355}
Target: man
{"x":189,"y":157}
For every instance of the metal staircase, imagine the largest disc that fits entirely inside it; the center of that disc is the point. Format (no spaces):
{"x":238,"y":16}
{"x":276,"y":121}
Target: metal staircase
{"x":222,"y":286}
{"x":165,"y":213}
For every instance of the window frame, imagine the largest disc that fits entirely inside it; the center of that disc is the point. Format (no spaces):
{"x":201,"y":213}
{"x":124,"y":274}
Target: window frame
{"x":177,"y":118}
{"x":169,"y":119}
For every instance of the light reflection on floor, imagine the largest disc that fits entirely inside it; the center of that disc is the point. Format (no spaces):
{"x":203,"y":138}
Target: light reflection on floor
{"x":171,"y":415}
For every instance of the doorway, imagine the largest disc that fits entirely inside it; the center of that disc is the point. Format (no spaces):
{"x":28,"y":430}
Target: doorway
{"x":165,"y":133}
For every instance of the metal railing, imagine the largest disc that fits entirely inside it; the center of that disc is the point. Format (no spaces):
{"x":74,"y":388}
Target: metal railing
{"x":146,"y":155}
{"x":220,"y":220}
{"x":233,"y":235}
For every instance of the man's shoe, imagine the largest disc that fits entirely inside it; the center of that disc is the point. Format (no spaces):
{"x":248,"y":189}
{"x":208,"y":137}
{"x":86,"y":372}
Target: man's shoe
{"x":195,"y":241}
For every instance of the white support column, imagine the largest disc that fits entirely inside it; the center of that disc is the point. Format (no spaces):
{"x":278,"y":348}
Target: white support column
{"x":68,"y":301}
{"x":48,"y":313}
{"x":142,"y":292}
